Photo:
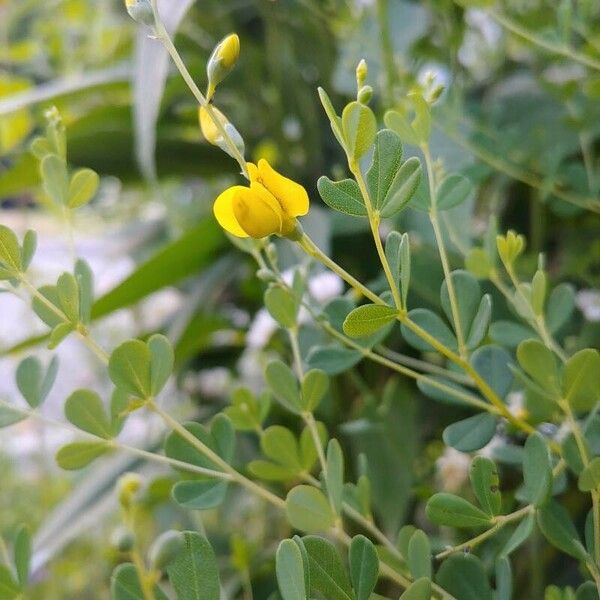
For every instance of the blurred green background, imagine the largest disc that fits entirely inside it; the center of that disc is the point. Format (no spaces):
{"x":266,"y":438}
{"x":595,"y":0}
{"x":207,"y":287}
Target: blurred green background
{"x":521,"y":121}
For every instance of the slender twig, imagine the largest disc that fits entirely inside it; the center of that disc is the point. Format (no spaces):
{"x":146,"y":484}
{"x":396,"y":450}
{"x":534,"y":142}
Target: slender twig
{"x":538,"y":40}
{"x":537,"y":321}
{"x":585,"y":459}
{"x":191,"y":439}
{"x":82,"y":331}
{"x":519,"y":174}
{"x":499,"y":522}
{"x":374,"y":221}
{"x":310,"y":248}
{"x":163,"y":36}
{"x":151,"y":456}
{"x":439,"y":239}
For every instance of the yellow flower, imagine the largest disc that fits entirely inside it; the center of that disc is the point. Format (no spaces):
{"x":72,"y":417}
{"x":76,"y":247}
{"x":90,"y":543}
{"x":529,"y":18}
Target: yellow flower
{"x":269,"y":205}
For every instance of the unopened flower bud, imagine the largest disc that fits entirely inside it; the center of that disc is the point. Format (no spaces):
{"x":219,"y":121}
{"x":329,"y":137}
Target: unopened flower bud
{"x":221,"y":61}
{"x":435,"y":93}
{"x":123,"y":539}
{"x":165,"y":548}
{"x":127,"y":487}
{"x":365,"y":93}
{"x":361,"y":73}
{"x":510,"y":246}
{"x":211,"y":132}
{"x":208,"y":127}
{"x":140,"y":11}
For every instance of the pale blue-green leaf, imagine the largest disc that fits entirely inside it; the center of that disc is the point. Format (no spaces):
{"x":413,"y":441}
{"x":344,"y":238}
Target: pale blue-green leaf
{"x":463,"y":576}
{"x":471,"y":434}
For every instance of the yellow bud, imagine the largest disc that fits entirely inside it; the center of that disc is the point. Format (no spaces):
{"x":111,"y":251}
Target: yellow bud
{"x":208,"y":127}
{"x":211,"y":132}
{"x":140,"y":11}
{"x":221,"y":61}
{"x":510,"y":246}
{"x":228,"y":51}
{"x":127,"y":487}
{"x":361,"y":73}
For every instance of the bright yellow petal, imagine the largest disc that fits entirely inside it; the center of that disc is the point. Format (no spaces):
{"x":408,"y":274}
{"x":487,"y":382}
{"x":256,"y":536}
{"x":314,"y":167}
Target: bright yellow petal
{"x":257,"y":212}
{"x":291,"y":195}
{"x":224,"y":212}
{"x":252,"y":171}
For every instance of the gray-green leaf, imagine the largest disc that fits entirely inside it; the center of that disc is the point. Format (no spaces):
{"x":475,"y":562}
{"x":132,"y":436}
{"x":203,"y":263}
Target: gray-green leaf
{"x":454,"y":511}
{"x":364,"y":566}
{"x":537,"y":470}
{"x":308,"y":510}
{"x":289,"y":567}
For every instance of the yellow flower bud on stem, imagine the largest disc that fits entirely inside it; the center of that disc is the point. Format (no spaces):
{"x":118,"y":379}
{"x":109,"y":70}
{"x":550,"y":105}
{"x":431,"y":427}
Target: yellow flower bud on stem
{"x":361,"y":73}
{"x":221,"y":62}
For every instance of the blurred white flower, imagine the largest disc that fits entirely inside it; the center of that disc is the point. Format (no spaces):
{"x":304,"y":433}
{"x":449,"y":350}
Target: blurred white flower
{"x":325,"y":286}
{"x":214,"y":383}
{"x":516,"y":404}
{"x":262,"y":328}
{"x":478,"y":52}
{"x":588,"y":302}
{"x":452,"y":469}
{"x":250,"y":367}
{"x":489,"y":449}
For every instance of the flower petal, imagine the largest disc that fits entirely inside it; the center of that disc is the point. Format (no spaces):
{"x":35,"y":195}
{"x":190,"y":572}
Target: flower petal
{"x":257,"y":211}
{"x":253,"y":172}
{"x":291,"y":195}
{"x":224,"y":212}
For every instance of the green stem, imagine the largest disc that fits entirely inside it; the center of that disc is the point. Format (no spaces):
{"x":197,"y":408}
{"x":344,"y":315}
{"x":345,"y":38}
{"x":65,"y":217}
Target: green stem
{"x":163,"y":35}
{"x":236,"y":476}
{"x":390,"y":363}
{"x":519,"y":174}
{"x":82,"y":331}
{"x":176,"y":464}
{"x":4,"y":557}
{"x":143,"y":578}
{"x":439,"y":239}
{"x":374,"y":221}
{"x":293,"y":335}
{"x":386,"y":362}
{"x":585,"y":458}
{"x":416,"y":363}
{"x":537,"y":321}
{"x":310,"y":248}
{"x":68,"y":218}
{"x":499,"y":523}
{"x":560,"y":49}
